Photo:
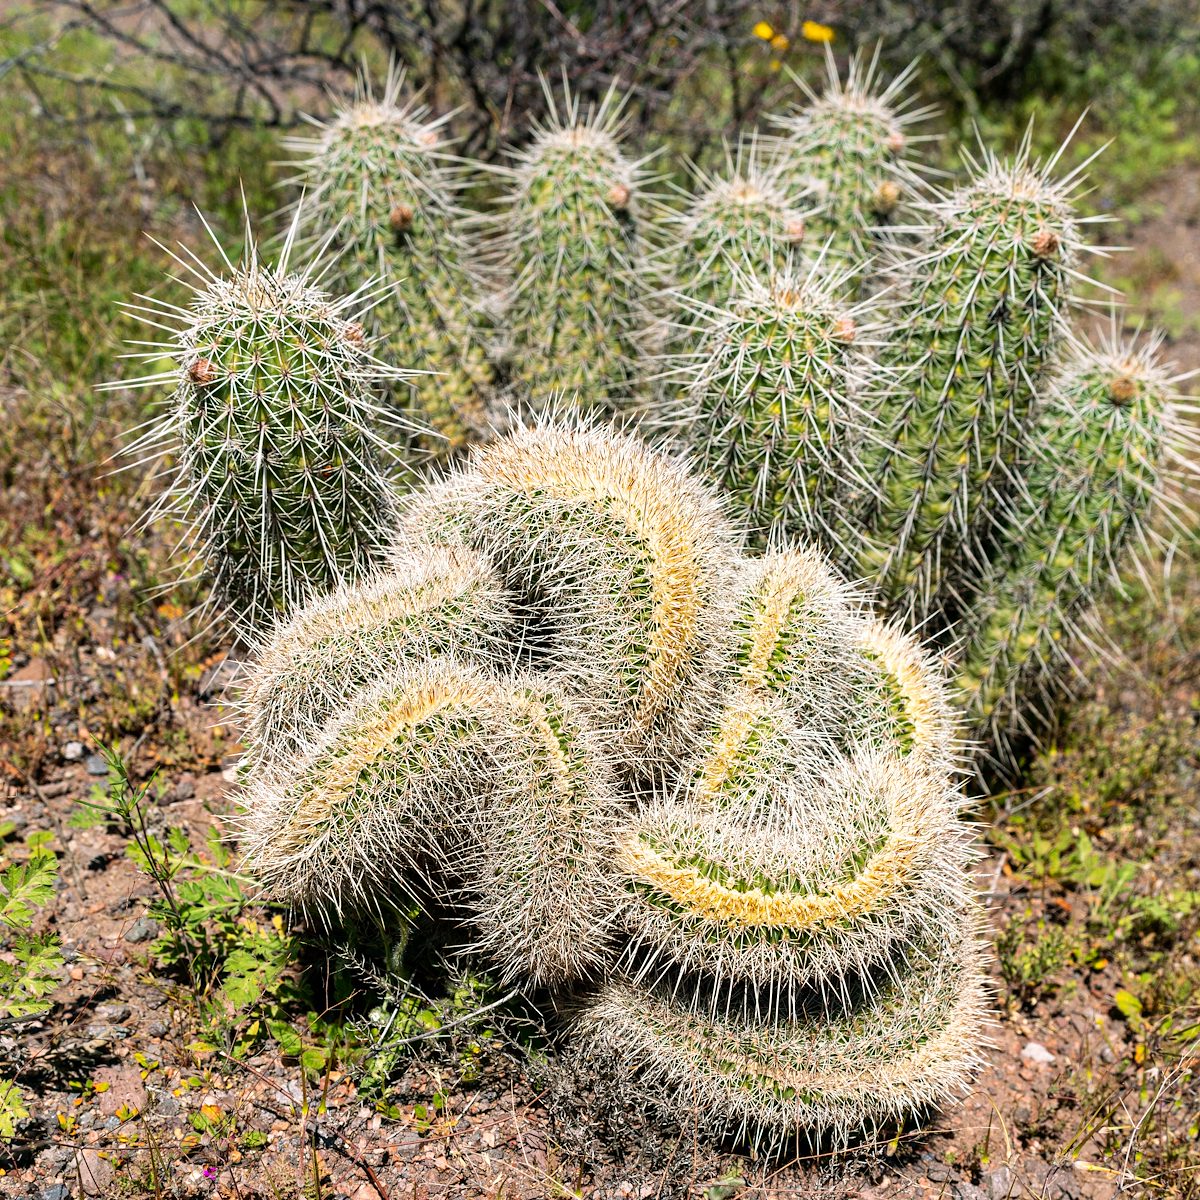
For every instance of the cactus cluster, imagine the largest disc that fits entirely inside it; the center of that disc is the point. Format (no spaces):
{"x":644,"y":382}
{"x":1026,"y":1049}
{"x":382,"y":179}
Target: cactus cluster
{"x":613,"y":710}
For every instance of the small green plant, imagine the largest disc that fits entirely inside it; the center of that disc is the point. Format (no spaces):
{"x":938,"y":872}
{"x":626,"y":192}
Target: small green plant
{"x":236,"y":964}
{"x":29,"y":971}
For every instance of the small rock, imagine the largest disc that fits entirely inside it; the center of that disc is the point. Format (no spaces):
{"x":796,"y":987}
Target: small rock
{"x":144,"y":929}
{"x":1000,"y":1183}
{"x":96,"y":765}
{"x":73,"y":751}
{"x":1035,"y":1052}
{"x":939,"y":1172}
{"x":968,"y":1191}
{"x":95,"y":1173}
{"x":107,"y":1033}
{"x":116,"y":1013}
{"x":56,"y":1191}
{"x":156,"y":1029}
{"x":185,"y":789}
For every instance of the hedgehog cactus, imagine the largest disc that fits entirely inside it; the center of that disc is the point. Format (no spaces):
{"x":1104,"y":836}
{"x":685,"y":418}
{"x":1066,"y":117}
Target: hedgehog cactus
{"x":572,"y":254}
{"x":849,"y":147}
{"x":741,"y":220}
{"x":771,"y":410}
{"x":865,"y":1063}
{"x":441,"y":774}
{"x":277,"y":468}
{"x":1103,"y":453}
{"x":980,"y":319}
{"x":379,"y":182}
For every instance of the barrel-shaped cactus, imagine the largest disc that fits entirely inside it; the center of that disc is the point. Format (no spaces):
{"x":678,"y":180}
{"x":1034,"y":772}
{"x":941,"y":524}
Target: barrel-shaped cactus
{"x":979,"y":321}
{"x":771,"y":407}
{"x":571,"y":248}
{"x":278,"y":471}
{"x":1106,"y":452}
{"x":381,"y":185}
{"x":620,"y":750}
{"x":851,"y":147}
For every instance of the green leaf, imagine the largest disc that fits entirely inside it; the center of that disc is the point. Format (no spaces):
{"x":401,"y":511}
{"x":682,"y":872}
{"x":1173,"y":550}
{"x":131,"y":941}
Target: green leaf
{"x":12,"y":1109}
{"x":33,"y":976}
{"x":26,"y":888}
{"x":1128,"y":1005}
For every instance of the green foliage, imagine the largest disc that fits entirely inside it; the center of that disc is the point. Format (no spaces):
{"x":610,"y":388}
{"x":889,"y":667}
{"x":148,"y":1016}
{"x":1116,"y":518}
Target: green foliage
{"x":29,"y":972}
{"x":237,"y":968}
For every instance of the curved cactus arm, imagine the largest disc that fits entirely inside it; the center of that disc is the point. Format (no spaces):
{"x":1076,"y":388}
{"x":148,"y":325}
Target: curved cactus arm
{"x":277,"y":471}
{"x":570,"y":245}
{"x":760,"y":884}
{"x":618,"y":557}
{"x":381,"y":183}
{"x":491,"y":786}
{"x":831,"y":1075}
{"x":428,"y":601}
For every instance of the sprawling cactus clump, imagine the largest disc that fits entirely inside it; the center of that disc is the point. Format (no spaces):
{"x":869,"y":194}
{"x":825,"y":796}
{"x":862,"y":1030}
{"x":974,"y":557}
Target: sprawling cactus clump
{"x":850,"y":147}
{"x":572,"y":254}
{"x":772,"y":406}
{"x":572,"y":712}
{"x":974,"y":333}
{"x":278,"y":469}
{"x":379,"y":182}
{"x":1103,"y":456}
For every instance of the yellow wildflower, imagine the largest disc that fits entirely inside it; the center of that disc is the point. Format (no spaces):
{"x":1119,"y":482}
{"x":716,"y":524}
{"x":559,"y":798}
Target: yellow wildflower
{"x":815,"y":32}
{"x":763,"y":31}
{"x":780,"y":42}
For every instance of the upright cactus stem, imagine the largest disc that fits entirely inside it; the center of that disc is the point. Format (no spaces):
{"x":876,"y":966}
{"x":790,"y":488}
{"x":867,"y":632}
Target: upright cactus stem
{"x":744,"y":220}
{"x":1107,"y":457}
{"x":571,"y":248}
{"x":772,"y":410}
{"x":980,"y":318}
{"x":277,"y":468}
{"x":378,"y":179}
{"x":851,"y":148}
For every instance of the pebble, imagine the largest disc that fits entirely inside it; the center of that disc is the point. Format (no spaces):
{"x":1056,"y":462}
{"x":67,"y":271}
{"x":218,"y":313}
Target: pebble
{"x":144,"y":929}
{"x":96,"y":765}
{"x":73,"y":751}
{"x":968,"y":1191}
{"x":939,"y":1172}
{"x":107,"y":1033}
{"x":56,"y":1191}
{"x":1000,"y":1183}
{"x":1035,"y":1052}
{"x":115,"y":1013}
